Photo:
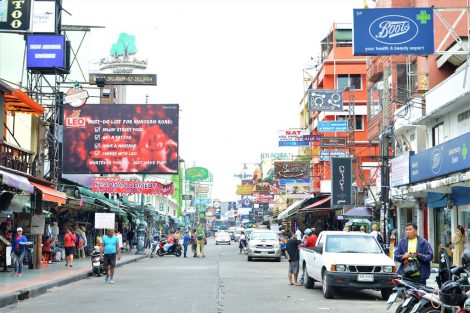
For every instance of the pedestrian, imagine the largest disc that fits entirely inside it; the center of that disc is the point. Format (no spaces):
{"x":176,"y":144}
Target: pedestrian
{"x":177,"y":234}
{"x":84,"y":238}
{"x":186,"y":239}
{"x":363,"y":229}
{"x":69,"y":244}
{"x":80,"y":246}
{"x":201,"y":240}
{"x":19,"y":251}
{"x":415,"y":255}
{"x":376,"y":234}
{"x":193,"y":242}
{"x":298,"y":234}
{"x":310,"y":240}
{"x":293,"y":256}
{"x":242,"y":239}
{"x":458,"y":241}
{"x":346,"y":229}
{"x":110,"y":249}
{"x":130,"y":238}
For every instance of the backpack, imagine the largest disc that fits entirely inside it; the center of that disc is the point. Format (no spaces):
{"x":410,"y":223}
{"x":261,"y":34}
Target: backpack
{"x":77,"y":239}
{"x":379,"y":238}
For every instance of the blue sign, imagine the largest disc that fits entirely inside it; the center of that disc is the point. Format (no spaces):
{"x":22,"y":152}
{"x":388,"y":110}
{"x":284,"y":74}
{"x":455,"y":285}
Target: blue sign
{"x":45,"y":51}
{"x":387,"y":31}
{"x":327,"y":155}
{"x":450,"y":157}
{"x":333,"y":126}
{"x":284,"y":181}
{"x":203,"y":201}
{"x":294,"y":143}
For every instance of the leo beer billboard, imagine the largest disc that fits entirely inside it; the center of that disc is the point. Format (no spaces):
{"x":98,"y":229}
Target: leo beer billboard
{"x":120,"y":138}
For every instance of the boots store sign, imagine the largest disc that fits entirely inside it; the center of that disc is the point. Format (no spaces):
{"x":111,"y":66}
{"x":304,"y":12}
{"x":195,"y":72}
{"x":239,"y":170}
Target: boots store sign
{"x":388,"y":31}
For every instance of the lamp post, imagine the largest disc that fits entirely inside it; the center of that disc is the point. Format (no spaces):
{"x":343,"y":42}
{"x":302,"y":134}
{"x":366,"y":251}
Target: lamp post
{"x":141,"y":226}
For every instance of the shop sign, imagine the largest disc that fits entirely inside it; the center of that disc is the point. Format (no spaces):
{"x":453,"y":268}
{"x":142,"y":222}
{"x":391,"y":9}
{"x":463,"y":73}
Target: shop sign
{"x":15,"y":16}
{"x":76,"y":96}
{"x":325,"y":100}
{"x":291,"y":170}
{"x":262,"y":187}
{"x":202,"y":189}
{"x":202,"y":201}
{"x":187,"y":197}
{"x":333,"y":126}
{"x":312,"y":138}
{"x":298,"y":190}
{"x":197,"y":173}
{"x":447,"y":158}
{"x":45,"y":52}
{"x":244,"y":190}
{"x":391,"y":31}
{"x":276,"y":156}
{"x":400,"y":170}
{"x":334,"y":142}
{"x":44,"y":16}
{"x":125,"y":79}
{"x":105,"y":220}
{"x":341,"y":181}
{"x":293,"y":137}
{"x":327,"y":155}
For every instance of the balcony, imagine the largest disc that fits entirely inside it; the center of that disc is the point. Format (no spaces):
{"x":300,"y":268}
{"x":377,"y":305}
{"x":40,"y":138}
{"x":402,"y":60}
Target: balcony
{"x":450,"y":95}
{"x":16,"y":158}
{"x":375,"y":71}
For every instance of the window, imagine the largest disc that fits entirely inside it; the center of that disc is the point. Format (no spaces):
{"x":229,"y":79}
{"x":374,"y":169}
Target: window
{"x":463,"y":116}
{"x":352,"y":244}
{"x":438,"y":134}
{"x":375,"y":98}
{"x":359,"y":122}
{"x":343,"y":81}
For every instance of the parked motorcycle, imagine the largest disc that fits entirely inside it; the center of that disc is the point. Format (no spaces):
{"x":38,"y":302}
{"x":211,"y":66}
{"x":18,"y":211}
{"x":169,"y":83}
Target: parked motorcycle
{"x":174,"y":250}
{"x":97,"y":262}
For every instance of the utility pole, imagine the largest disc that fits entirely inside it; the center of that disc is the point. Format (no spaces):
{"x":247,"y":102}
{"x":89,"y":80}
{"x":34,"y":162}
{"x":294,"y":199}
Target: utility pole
{"x":141,"y":226}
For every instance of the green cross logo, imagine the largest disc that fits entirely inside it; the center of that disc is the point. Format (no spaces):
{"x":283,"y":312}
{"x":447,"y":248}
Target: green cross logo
{"x":423,"y":17}
{"x":464,"y":151}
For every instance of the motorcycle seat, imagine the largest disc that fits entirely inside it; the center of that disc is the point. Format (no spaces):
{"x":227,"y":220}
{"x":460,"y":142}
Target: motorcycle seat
{"x":420,"y":286}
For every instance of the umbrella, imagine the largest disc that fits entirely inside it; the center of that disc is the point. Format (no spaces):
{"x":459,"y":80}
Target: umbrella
{"x":360,"y":211}
{"x":358,"y":222}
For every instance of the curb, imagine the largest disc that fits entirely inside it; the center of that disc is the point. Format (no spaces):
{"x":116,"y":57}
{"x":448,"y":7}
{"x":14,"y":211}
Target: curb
{"x":37,"y":290}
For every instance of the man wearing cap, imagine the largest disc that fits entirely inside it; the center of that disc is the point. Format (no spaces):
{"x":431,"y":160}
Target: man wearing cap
{"x":311,"y":239}
{"x":110,"y":248}
{"x":19,"y":251}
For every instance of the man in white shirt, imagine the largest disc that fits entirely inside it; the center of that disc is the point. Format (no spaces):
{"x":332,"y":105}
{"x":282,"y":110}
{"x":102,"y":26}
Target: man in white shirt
{"x":298,"y":234}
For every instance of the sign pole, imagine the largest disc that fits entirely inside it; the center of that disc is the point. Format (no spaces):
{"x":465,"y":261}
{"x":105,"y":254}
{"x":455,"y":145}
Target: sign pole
{"x":141,"y":226}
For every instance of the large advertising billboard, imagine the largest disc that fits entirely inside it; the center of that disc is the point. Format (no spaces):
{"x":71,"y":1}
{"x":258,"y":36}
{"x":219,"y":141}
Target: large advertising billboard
{"x":341,"y":181}
{"x":388,"y":31}
{"x":45,"y":51}
{"x":120,"y":138}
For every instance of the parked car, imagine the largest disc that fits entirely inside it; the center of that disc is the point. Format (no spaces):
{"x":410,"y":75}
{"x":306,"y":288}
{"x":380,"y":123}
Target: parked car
{"x":264,"y":244}
{"x":222,"y":237}
{"x":354,"y":260}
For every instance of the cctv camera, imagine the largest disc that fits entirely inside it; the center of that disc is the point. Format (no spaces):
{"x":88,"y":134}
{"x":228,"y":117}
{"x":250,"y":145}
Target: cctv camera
{"x":100,"y":81}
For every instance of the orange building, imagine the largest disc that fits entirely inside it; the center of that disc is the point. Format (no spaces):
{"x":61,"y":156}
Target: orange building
{"x":339,"y":69}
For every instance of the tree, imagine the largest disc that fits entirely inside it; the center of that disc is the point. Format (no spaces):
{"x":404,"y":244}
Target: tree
{"x":124,"y":46}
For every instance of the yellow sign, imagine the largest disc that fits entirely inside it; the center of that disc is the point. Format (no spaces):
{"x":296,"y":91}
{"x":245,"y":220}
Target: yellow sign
{"x":244,"y":190}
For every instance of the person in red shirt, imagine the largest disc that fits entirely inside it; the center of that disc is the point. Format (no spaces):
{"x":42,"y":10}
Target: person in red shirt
{"x":69,"y":245}
{"x":311,"y":239}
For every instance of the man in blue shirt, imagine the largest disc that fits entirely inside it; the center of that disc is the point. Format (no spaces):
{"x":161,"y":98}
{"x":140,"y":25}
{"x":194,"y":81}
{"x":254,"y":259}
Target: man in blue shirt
{"x":186,"y":239}
{"x":110,"y":248}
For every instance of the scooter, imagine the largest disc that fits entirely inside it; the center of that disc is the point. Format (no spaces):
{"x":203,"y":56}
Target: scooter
{"x":175,"y":250}
{"x":97,"y":262}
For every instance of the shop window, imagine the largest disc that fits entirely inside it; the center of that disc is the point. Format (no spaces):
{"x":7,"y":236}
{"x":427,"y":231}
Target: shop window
{"x":438,"y":134}
{"x":375,"y":98}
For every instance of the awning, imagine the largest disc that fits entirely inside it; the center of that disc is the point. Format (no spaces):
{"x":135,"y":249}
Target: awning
{"x":359,"y":211}
{"x":291,"y":209}
{"x":18,"y":101}
{"x":52,"y":195}
{"x":16,"y":181}
{"x":315,"y":206}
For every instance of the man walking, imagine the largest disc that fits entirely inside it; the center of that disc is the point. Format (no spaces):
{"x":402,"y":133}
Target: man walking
{"x":110,"y":248}
{"x":201,"y":240}
{"x":415,"y":255}
{"x":298,"y":234}
{"x":186,"y":239}
{"x":293,"y":256}
{"x":193,"y":242}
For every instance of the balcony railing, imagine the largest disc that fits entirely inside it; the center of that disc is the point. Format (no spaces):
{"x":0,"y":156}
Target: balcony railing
{"x":16,"y":158}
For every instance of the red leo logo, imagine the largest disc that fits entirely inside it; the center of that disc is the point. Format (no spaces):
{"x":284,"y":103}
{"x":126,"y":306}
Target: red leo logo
{"x":74,"y":120}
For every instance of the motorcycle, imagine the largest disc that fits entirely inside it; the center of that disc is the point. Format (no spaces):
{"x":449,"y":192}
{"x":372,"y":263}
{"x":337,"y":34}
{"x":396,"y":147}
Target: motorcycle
{"x":97,"y":262}
{"x":174,"y":250}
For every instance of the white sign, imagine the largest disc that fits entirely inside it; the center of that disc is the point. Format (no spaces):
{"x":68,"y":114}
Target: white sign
{"x":44,"y":17}
{"x":325,"y":186}
{"x":37,"y":224}
{"x":400,"y":170}
{"x":104,"y":220}
{"x":298,"y":190}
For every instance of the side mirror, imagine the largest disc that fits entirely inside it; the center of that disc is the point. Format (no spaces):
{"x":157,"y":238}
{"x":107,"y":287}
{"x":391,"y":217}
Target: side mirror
{"x":318,"y":248}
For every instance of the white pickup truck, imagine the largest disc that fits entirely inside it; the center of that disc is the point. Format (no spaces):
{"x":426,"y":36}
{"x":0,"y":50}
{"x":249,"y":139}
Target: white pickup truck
{"x":350,"y":260}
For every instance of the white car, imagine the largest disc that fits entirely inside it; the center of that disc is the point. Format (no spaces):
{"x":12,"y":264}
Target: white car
{"x":222,"y":237}
{"x":350,"y":260}
{"x":264,"y":244}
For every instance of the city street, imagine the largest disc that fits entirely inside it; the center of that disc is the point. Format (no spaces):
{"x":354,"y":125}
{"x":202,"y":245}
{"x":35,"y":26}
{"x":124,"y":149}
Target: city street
{"x":222,"y":282}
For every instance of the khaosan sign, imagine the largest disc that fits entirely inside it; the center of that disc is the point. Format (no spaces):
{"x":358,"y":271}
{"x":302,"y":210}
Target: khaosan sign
{"x":325,"y":100}
{"x":106,"y":185}
{"x":293,"y":137}
{"x":341,"y":181}
{"x":197,"y":173}
{"x":120,"y":138}
{"x":388,"y":31}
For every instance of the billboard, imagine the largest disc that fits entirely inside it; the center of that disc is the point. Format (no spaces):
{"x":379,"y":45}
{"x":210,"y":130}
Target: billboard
{"x":293,"y":137}
{"x":15,"y":16}
{"x":244,"y":190}
{"x":298,"y":190}
{"x":120,"y":138}
{"x":116,"y":185}
{"x":400,"y":170}
{"x":389,"y":31}
{"x":341,"y":181}
{"x":44,"y":16}
{"x":325,"y":100}
{"x":291,"y":170}
{"x":197,"y":173}
{"x":45,"y":52}
{"x":333,"y":126}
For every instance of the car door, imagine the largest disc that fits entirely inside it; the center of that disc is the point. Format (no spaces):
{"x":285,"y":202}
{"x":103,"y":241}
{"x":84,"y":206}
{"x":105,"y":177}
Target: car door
{"x":318,"y":258}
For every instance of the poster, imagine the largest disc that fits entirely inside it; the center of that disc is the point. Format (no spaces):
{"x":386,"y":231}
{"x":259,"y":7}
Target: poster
{"x":104,"y":220}
{"x":120,"y":138}
{"x":38,"y":222}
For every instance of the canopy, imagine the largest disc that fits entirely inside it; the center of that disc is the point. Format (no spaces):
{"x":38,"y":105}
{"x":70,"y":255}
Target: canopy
{"x":291,"y":209}
{"x":17,"y":101}
{"x":358,"y":222}
{"x":315,"y":206}
{"x":359,"y":211}
{"x":52,"y":195}
{"x":16,"y":181}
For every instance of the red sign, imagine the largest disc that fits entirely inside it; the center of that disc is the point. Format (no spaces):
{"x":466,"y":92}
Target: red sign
{"x":111,"y":185}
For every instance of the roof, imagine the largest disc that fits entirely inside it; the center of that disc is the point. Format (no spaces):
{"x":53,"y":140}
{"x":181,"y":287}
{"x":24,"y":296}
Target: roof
{"x":344,"y":233}
{"x":17,"y":101}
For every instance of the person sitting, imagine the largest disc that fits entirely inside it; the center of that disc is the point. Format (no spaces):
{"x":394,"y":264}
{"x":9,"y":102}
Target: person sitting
{"x":170,"y":242}
{"x":47,"y":249}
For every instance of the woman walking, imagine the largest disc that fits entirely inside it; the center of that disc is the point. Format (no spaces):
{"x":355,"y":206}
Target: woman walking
{"x":70,"y":241}
{"x":459,"y":240}
{"x":242,"y":245}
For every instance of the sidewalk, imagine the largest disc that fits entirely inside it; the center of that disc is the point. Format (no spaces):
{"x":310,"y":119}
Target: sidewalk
{"x":36,"y":282}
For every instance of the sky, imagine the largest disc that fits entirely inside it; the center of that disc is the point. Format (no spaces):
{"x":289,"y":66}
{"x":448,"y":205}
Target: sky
{"x":235,"y":68}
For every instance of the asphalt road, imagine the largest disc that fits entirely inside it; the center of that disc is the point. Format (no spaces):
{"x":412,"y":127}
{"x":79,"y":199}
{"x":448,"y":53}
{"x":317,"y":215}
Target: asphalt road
{"x":223,"y":282}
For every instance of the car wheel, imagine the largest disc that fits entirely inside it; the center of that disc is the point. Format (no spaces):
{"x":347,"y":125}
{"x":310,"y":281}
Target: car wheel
{"x":328,"y":291}
{"x":309,"y":283}
{"x":216,"y":243}
{"x":277,"y":260}
{"x":229,"y":243}
{"x":250,"y":259}
{"x":386,"y":292}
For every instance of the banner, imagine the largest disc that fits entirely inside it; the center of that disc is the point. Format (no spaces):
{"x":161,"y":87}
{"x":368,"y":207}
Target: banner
{"x":298,"y":190}
{"x":120,"y":138}
{"x":15,"y":16}
{"x":293,"y":137}
{"x":106,"y":185}
{"x":341,"y":181}
{"x":325,"y":100}
{"x":388,"y":31}
{"x":291,"y":170}
{"x":104,"y":220}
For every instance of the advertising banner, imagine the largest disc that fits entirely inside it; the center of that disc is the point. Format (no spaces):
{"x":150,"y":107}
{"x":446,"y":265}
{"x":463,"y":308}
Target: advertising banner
{"x":293,"y":137}
{"x":388,"y":31}
{"x":44,"y":16}
{"x":104,"y":220}
{"x":120,"y":138}
{"x":298,"y":190}
{"x":325,"y":100}
{"x":341,"y":181}
{"x":106,"y":185}
{"x":444,"y":159}
{"x":334,"y":142}
{"x":16,"y":16}
{"x":291,"y":170}
{"x":332,"y":126}
{"x":45,"y":51}
{"x":244,"y":190}
{"x":400,"y":170}
{"x":312,"y":138}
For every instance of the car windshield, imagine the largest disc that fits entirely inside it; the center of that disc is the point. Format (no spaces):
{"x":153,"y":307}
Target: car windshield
{"x":352,"y":244}
{"x":264,"y":236}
